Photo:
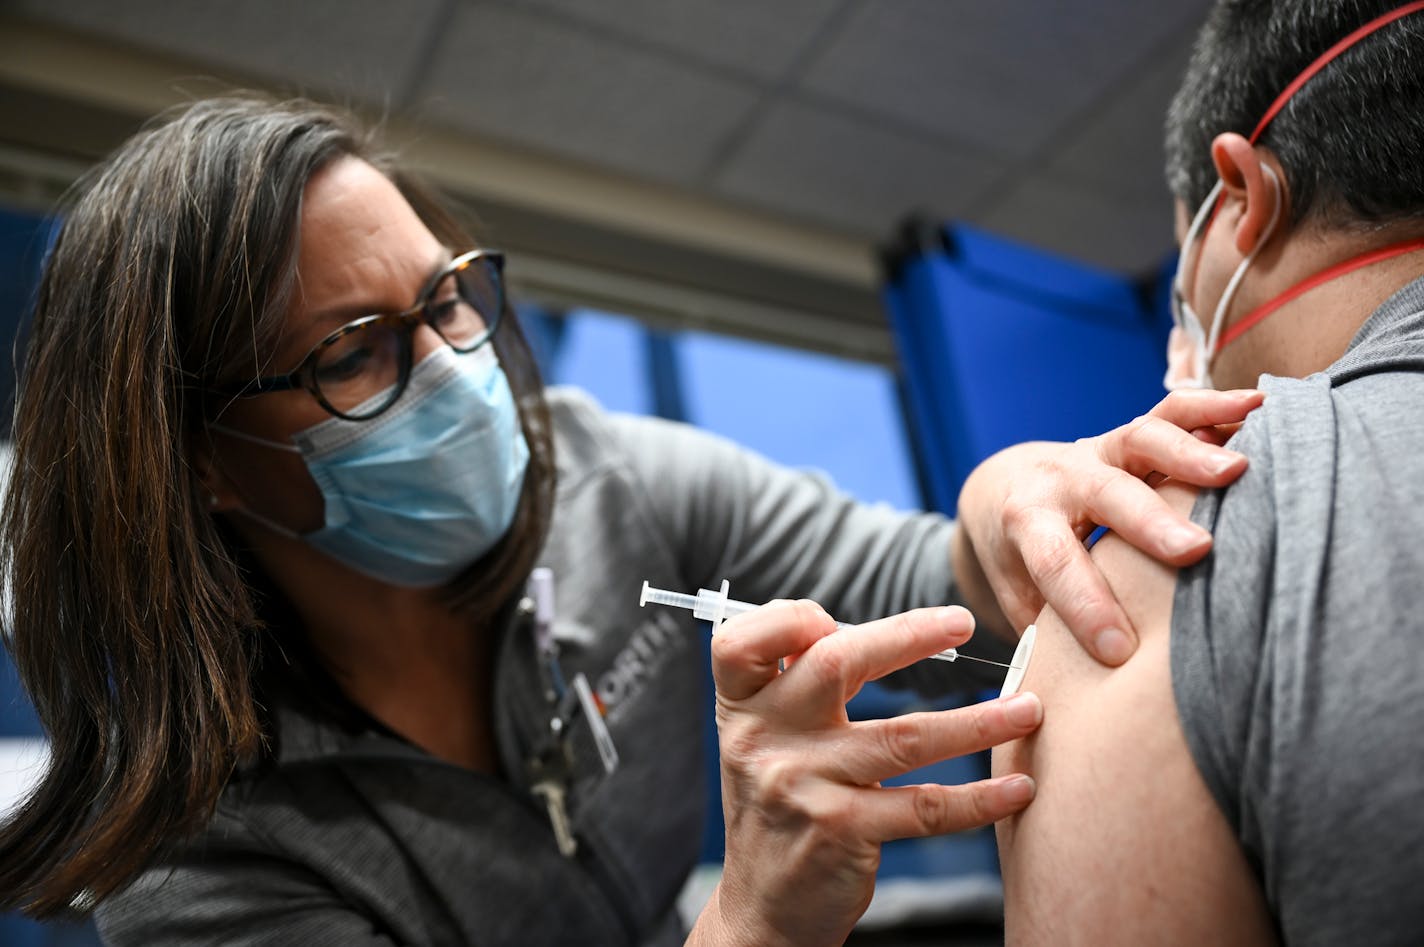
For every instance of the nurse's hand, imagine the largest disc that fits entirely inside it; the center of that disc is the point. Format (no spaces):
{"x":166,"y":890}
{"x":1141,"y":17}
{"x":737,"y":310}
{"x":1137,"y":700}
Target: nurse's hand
{"x":800,"y":782}
{"x":1024,"y":513}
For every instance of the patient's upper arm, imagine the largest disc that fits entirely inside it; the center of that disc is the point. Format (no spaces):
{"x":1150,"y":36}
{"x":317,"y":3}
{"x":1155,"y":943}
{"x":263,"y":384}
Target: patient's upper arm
{"x":1123,"y":843}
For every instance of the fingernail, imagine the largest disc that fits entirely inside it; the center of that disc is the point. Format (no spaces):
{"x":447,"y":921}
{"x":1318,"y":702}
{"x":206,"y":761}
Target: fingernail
{"x":1223,"y":462}
{"x":1180,"y":539}
{"x":1024,"y":710}
{"x":1114,"y":646}
{"x":956,"y":614}
{"x":1018,"y":788}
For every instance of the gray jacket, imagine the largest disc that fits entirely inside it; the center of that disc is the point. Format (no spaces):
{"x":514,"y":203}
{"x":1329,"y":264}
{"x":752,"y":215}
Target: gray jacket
{"x":362,"y":838}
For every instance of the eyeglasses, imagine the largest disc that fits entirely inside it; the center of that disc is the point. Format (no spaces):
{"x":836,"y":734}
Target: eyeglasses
{"x":362,"y":368}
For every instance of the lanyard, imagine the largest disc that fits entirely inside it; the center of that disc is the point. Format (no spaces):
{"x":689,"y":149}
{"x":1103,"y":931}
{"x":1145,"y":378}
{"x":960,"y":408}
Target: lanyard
{"x":551,"y":762}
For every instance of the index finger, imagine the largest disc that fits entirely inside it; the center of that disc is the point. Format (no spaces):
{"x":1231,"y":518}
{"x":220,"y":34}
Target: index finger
{"x":838,"y":667}
{"x":1204,"y":407}
{"x":747,"y":649}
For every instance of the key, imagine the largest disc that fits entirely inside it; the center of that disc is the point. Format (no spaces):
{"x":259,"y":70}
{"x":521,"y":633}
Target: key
{"x":552,"y":792}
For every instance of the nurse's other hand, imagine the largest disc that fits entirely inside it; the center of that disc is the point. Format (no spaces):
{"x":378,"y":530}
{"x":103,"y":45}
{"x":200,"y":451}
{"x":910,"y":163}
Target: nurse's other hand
{"x":800,"y":782}
{"x":1025,"y":512}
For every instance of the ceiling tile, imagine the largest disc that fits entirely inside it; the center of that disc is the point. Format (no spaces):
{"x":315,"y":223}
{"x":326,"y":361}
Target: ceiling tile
{"x":1036,"y":119}
{"x":1108,"y":230}
{"x":824,"y":166}
{"x":1119,"y":146}
{"x":503,"y":73}
{"x":991,"y":74}
{"x":752,"y":36}
{"x":361,"y":50}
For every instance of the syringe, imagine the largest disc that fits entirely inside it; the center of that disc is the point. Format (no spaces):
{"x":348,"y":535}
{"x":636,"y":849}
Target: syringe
{"x":716,"y":607}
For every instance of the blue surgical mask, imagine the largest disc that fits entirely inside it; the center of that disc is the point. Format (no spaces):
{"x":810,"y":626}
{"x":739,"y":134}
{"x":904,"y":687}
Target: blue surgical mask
{"x":423,"y":490}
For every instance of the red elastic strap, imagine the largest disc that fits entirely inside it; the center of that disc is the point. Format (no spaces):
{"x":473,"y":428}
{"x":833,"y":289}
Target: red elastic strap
{"x":1324,"y":59}
{"x":1324,"y":276}
{"x":1309,"y":72}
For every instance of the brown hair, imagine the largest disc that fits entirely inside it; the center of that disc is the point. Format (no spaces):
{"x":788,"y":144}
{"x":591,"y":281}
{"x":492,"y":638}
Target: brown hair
{"x":133,"y":628}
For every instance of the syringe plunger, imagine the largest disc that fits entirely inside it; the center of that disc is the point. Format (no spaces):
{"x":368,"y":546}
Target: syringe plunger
{"x":702,"y":605}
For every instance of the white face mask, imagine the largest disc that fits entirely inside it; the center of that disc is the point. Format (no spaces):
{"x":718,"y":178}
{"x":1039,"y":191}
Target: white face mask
{"x":1191,"y":347}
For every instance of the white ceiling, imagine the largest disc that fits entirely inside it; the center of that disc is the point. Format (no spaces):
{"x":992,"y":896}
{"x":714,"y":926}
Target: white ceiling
{"x":1038,"y":119}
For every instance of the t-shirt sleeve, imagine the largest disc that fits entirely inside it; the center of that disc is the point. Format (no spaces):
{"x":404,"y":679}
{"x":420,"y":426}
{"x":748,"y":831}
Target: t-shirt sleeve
{"x":1295,"y":655}
{"x":1219,"y":615}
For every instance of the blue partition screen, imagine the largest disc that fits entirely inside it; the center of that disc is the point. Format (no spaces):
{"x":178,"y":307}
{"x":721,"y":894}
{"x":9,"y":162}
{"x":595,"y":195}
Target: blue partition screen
{"x":1001,"y":344}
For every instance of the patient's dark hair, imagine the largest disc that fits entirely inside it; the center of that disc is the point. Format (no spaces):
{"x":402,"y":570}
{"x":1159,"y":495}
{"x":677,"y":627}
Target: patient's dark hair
{"x":135,"y":617}
{"x":1349,"y":140}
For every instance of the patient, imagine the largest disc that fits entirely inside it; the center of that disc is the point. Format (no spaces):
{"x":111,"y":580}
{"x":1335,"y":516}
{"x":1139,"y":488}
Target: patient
{"x":1253,"y":773}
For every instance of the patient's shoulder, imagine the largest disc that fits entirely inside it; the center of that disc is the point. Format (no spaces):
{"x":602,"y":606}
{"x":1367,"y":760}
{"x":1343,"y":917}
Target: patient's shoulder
{"x":1119,"y":796}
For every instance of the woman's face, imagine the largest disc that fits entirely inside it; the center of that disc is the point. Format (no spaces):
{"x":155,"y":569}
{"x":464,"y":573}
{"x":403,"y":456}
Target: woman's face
{"x":362,"y":250}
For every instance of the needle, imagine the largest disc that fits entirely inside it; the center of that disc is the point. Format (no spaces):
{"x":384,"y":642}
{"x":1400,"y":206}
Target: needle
{"x":970,"y":657}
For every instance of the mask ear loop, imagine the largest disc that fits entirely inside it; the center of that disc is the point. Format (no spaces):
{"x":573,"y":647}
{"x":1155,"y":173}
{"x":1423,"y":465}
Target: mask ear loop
{"x":1193,"y":233}
{"x":244,"y":509}
{"x":242,"y":435}
{"x":1220,"y":316}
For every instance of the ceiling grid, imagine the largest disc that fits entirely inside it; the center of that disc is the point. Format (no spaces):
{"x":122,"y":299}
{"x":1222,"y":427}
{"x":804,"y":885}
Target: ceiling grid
{"x":773,"y":144}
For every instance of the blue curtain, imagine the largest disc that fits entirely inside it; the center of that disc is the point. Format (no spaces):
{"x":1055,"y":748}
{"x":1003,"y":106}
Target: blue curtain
{"x":1000,"y":343}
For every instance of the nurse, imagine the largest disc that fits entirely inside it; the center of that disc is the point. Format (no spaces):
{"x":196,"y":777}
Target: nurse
{"x":283,"y":467}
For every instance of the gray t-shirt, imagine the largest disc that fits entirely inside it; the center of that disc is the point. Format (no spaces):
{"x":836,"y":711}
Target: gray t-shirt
{"x":1296,"y":644}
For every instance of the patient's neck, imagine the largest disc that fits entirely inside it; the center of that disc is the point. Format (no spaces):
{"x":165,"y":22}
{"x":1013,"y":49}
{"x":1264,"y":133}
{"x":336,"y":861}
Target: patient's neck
{"x":1309,"y":333}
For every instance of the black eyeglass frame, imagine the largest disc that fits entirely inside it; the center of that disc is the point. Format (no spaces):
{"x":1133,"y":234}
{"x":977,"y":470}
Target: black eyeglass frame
{"x":304,"y":375}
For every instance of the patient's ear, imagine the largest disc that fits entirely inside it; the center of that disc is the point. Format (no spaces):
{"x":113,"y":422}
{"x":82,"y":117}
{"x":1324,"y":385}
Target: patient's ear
{"x":1253,"y":181}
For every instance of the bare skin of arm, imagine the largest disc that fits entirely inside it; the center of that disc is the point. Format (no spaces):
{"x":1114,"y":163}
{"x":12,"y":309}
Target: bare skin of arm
{"x":1124,"y":843}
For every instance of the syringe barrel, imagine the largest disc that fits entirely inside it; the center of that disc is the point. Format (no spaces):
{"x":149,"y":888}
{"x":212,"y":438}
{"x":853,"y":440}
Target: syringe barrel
{"x":703,"y":605}
{"x":706,"y":605}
